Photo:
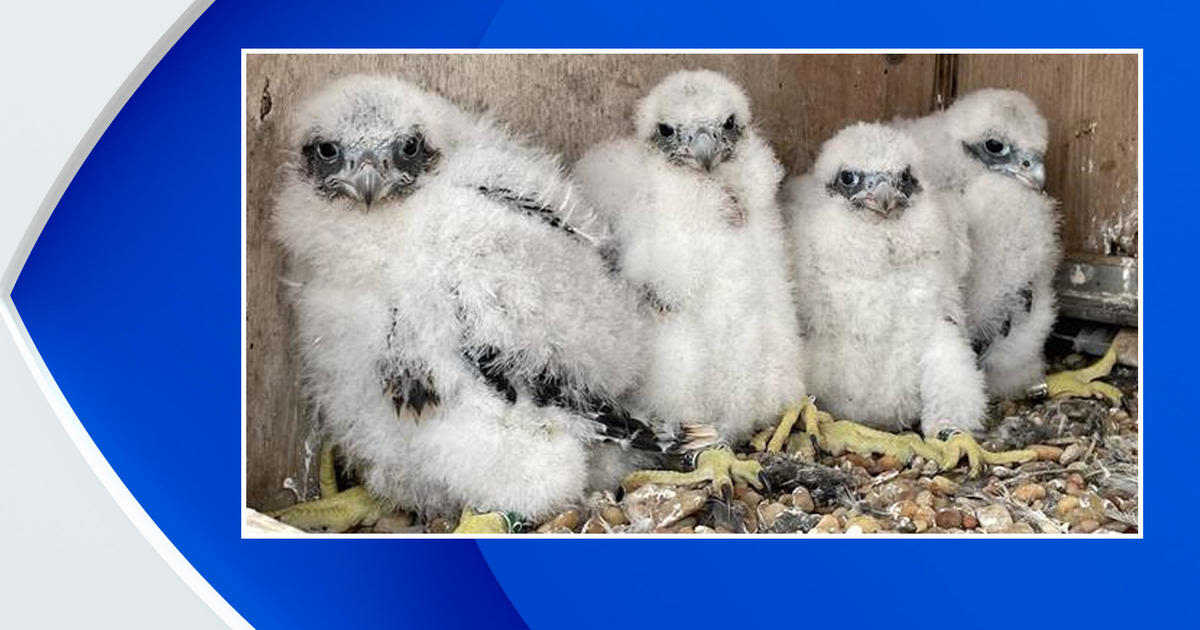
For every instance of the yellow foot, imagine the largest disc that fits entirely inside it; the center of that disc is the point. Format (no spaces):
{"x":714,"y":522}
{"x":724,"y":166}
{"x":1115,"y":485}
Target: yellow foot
{"x":783,"y":430}
{"x":959,"y":444}
{"x":759,"y":442}
{"x":716,"y":465}
{"x":337,"y":513}
{"x":1083,"y":384}
{"x":840,"y":436}
{"x":486,"y":523}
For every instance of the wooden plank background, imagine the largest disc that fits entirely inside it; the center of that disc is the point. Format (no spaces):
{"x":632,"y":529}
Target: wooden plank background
{"x":569,"y":102}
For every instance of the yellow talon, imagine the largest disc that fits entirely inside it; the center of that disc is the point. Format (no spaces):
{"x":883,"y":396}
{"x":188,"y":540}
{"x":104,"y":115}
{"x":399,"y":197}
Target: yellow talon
{"x":1082,"y":383}
{"x":953,"y":449}
{"x":486,"y":523}
{"x":839,"y":436}
{"x":718,"y":466}
{"x":335,"y":511}
{"x":786,"y":423}
{"x":759,"y":442}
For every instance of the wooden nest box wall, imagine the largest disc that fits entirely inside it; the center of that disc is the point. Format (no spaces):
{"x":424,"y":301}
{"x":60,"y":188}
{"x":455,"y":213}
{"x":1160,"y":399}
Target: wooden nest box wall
{"x":569,"y":102}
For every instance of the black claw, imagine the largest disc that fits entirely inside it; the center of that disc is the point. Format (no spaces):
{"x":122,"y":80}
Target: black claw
{"x":620,"y":493}
{"x":766,"y":483}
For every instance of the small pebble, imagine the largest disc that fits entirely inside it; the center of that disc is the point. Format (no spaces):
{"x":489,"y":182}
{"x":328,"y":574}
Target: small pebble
{"x":1065,"y":506}
{"x":889,"y":462}
{"x":994,"y":518}
{"x":1085,"y":526}
{"x":905,"y":509}
{"x":863,"y":525}
{"x":1029,"y":492}
{"x":924,"y":519}
{"x":563,"y":523}
{"x":930,"y":468}
{"x":1073,"y":452}
{"x":653,"y":507}
{"x":924,"y":498}
{"x":769,"y":513}
{"x":969,"y":521}
{"x":1046,"y":453}
{"x":752,"y":498}
{"x":1002,"y":472}
{"x":803,"y":499}
{"x":749,"y":517}
{"x":943,"y":486}
{"x":613,"y":515}
{"x":895,"y":490}
{"x":828,"y":524}
{"x":949,"y":519}
{"x":860,"y":461}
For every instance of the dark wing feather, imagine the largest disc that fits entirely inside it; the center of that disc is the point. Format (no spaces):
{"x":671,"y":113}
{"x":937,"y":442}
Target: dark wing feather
{"x":549,"y":388}
{"x":408,"y":386}
{"x":529,"y":207}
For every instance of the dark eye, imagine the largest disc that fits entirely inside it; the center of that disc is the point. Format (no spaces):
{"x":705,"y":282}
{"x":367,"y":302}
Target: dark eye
{"x":995,"y":147}
{"x":328,"y":151}
{"x":665,"y":130}
{"x":848,"y":178}
{"x":411,"y":146}
{"x":730,"y":123}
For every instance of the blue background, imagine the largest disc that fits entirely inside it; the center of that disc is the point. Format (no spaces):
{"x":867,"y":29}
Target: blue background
{"x":132,"y":296}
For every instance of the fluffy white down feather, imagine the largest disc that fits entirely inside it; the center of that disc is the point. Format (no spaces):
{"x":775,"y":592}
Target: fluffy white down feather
{"x":708,"y":246}
{"x":1013,"y":232}
{"x":416,"y":279}
{"x":879,"y":299}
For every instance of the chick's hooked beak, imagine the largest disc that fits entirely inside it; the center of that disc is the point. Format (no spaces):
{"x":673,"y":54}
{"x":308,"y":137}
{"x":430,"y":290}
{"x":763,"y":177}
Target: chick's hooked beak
{"x":1029,"y":167}
{"x":703,"y":148}
{"x":365,"y":181}
{"x":882,"y":195}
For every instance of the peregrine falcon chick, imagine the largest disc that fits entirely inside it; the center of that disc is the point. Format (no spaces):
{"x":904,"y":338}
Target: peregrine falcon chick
{"x":691,"y":200}
{"x":987,"y":151}
{"x":877,"y":266}
{"x":460,"y":332}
